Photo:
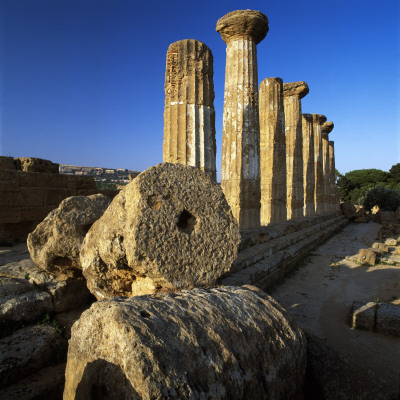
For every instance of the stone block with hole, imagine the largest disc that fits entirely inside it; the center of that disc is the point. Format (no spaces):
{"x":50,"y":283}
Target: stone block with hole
{"x":171,"y":228}
{"x":388,"y":319}
{"x":380,"y":247}
{"x":366,"y":256}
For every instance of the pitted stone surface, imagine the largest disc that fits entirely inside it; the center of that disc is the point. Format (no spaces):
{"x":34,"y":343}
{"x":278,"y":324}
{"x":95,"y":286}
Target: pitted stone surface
{"x":243,"y":24}
{"x":170,"y":228}
{"x":299,"y":89}
{"x":226,"y":343}
{"x":272,"y":152}
{"x":55,"y":243}
{"x":189,"y":116}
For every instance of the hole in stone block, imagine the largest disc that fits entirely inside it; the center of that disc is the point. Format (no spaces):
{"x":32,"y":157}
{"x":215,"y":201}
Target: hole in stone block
{"x":154,"y":202}
{"x":186,"y":222}
{"x":144,"y":314}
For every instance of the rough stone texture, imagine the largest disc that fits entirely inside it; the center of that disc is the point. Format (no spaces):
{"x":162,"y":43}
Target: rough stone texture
{"x":55,"y":243}
{"x":227,"y":343}
{"x":308,"y":165}
{"x":31,"y":164}
{"x":331,"y":375}
{"x":391,"y":242}
{"x":386,"y":217}
{"x":7,"y":163}
{"x":272,"y":152}
{"x":293,"y":93}
{"x":326,"y":128}
{"x":318,"y":121}
{"x":243,"y":24}
{"x":361,"y":215}
{"x":348,"y":210}
{"x":46,"y":384}
{"x":20,"y":300}
{"x":381,"y":247}
{"x":170,"y":228}
{"x":240,"y":170}
{"x":388,"y":319}
{"x":366,"y":256}
{"x":26,"y":351}
{"x":363,"y":315}
{"x":189,"y":116}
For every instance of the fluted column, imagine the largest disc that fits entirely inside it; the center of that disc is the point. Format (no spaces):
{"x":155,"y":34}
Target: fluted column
{"x":318,"y":120}
{"x":293,"y":92}
{"x":334,"y":204}
{"x":242,"y":30}
{"x":189,"y":117}
{"x":326,"y":128}
{"x":272,"y":152}
{"x":308,"y":165}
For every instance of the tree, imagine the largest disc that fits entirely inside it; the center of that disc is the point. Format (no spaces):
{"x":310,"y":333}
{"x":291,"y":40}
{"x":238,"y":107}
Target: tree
{"x":387,"y":199}
{"x":394,"y":173}
{"x":360,"y":177}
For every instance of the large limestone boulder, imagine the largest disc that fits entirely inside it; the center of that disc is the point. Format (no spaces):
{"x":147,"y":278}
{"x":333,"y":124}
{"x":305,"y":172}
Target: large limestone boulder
{"x":348,"y":210}
{"x":55,"y":243}
{"x":171,"y":228}
{"x":226,"y":343}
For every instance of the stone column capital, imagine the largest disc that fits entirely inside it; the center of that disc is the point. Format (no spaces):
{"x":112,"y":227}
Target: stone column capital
{"x":327,"y":127}
{"x":308,"y":117}
{"x":244,"y":24}
{"x":299,"y":89}
{"x":319,"y":118}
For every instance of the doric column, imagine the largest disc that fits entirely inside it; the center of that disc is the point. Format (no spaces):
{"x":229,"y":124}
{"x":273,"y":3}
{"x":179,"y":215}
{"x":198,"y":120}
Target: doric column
{"x":334,"y":204}
{"x":308,"y":165}
{"x":318,"y":120}
{"x":293,"y":92}
{"x":189,"y":117}
{"x":272,"y":152}
{"x":242,"y":30}
{"x":326,"y":128}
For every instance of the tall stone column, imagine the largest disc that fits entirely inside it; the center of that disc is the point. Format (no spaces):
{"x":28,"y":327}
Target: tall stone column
{"x":318,"y":120}
{"x":272,"y":152}
{"x":189,"y":116}
{"x":293,"y":92}
{"x":308,"y":165}
{"x":334,"y":204}
{"x":326,"y":128}
{"x":242,"y":30}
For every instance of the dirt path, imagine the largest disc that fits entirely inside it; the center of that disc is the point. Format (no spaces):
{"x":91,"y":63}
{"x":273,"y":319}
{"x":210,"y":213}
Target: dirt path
{"x":320,"y":292}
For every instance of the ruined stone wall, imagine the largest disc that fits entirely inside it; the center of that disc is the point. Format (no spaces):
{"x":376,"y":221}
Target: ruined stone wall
{"x":27,"y":197}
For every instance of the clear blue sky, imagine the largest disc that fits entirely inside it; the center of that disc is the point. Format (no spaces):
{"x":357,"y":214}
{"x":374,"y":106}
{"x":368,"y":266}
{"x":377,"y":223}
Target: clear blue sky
{"x":82,"y":81}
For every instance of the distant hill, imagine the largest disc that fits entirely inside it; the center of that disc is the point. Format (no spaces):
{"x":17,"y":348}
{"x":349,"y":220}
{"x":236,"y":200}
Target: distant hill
{"x":105,"y":175}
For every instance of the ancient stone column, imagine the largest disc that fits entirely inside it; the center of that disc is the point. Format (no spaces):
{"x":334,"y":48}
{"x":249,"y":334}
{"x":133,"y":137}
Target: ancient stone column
{"x":334,"y":204}
{"x":242,"y":30}
{"x":189,"y":117}
{"x":293,"y":92}
{"x":326,"y":128}
{"x":318,"y":120}
{"x":308,"y":165}
{"x":272,"y":152}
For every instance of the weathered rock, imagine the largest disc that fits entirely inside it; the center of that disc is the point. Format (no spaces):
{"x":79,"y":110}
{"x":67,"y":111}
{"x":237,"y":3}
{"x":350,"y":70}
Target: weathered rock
{"x":21,"y":301}
{"x":46,"y":384}
{"x":366,"y":256}
{"x":7,"y":163}
{"x":333,"y":376}
{"x":388,"y":319}
{"x":31,"y":164}
{"x":348,"y":210}
{"x":391,"y":242}
{"x":28,"y":350}
{"x":363,"y":315}
{"x":226,"y":343}
{"x":380,"y":247}
{"x":170,"y":228}
{"x":55,"y":243}
{"x":386,"y":217}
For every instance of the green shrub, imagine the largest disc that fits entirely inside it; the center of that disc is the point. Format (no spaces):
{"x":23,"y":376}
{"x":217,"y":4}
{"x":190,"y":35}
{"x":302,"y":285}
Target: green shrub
{"x":386,"y":198}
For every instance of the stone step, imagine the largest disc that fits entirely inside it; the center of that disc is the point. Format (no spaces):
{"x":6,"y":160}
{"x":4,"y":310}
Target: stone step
{"x":269,"y":269}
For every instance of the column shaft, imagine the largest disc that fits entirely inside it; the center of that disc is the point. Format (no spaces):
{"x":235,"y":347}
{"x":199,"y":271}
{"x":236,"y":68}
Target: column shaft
{"x":308,"y":165}
{"x":332,"y":177}
{"x":189,"y":117}
{"x":272,"y":152}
